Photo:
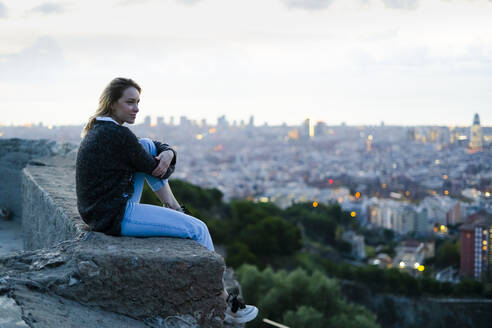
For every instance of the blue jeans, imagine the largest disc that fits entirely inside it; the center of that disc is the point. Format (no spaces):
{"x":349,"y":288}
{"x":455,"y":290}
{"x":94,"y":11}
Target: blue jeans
{"x":142,"y":220}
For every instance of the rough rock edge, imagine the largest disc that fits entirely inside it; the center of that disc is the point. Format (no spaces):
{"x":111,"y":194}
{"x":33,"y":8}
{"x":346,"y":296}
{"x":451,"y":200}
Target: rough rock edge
{"x":48,"y":271}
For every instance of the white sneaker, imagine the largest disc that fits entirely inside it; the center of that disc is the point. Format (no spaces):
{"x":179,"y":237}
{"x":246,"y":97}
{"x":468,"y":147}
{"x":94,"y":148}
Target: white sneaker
{"x":237,"y":311}
{"x":242,"y":315}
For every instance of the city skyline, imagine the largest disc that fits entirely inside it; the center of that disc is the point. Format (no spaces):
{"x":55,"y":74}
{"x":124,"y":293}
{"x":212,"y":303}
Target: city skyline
{"x":361,"y":62}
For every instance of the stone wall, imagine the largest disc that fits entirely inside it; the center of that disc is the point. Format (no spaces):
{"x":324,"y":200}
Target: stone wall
{"x":14,"y":156}
{"x":49,"y":203}
{"x":143,"y":279}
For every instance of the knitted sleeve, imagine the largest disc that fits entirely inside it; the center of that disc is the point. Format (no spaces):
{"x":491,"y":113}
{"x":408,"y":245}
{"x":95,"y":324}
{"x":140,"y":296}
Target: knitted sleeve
{"x":136,"y":156}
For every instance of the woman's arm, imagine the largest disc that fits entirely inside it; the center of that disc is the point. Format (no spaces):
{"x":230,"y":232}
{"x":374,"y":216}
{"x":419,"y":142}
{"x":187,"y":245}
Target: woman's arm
{"x":167,"y":197}
{"x":163,"y":169}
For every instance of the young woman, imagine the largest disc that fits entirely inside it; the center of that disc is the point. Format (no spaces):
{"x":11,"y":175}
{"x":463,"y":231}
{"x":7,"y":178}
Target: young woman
{"x":111,"y":166}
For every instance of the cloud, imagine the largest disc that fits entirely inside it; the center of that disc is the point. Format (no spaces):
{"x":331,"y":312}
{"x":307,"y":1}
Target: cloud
{"x":307,"y":4}
{"x":49,"y":8}
{"x":139,"y":2}
{"x":188,"y":2}
{"x":475,"y":59}
{"x":3,"y":10}
{"x":37,"y":62}
{"x":131,"y":2}
{"x":401,"y":4}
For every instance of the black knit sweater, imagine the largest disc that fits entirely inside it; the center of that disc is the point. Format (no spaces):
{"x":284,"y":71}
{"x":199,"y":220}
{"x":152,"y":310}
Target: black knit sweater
{"x":108,"y":157}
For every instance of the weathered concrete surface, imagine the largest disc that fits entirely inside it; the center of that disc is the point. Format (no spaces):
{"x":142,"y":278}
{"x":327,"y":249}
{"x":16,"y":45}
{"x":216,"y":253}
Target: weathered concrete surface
{"x":14,"y":155}
{"x":10,"y":237}
{"x":71,"y":277}
{"x":49,"y":202}
{"x":11,"y":314}
{"x":145,"y":279}
{"x":43,"y":310}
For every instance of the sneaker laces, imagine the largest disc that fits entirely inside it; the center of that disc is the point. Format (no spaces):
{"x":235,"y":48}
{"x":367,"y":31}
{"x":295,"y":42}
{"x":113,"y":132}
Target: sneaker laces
{"x":235,"y":301}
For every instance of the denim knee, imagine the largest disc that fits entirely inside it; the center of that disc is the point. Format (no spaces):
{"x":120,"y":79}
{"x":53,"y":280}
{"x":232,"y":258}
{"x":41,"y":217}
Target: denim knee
{"x":148,"y":145}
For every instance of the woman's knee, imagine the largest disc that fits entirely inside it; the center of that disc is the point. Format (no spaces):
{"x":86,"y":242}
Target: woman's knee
{"x":201,"y":229}
{"x":148,"y":145}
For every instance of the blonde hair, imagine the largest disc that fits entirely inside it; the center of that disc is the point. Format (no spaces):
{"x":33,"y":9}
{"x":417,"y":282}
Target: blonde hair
{"x":113,"y":91}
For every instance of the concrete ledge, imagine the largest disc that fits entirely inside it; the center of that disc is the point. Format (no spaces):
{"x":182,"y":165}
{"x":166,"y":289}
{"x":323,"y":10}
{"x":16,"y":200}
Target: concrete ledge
{"x":49,"y":206}
{"x":143,"y":278}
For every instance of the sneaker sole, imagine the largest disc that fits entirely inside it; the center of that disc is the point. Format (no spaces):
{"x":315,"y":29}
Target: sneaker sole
{"x":231,"y":319}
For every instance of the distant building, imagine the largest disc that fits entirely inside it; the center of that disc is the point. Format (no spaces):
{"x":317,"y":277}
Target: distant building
{"x":476,"y":236}
{"x":147,"y":121}
{"x":476,"y":135}
{"x":160,"y":121}
{"x":222,"y":122}
{"x":320,"y":129}
{"x":305,"y":131}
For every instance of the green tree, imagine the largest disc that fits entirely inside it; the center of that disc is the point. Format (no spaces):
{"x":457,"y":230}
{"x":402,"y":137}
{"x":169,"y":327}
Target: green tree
{"x":448,"y":254}
{"x":297,"y":297}
{"x":304,"y":317}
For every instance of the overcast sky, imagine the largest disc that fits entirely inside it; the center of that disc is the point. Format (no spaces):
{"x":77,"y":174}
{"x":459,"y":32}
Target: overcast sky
{"x":426,"y":62}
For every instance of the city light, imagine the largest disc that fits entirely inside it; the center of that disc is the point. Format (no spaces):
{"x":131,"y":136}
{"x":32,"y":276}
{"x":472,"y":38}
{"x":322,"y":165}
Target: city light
{"x":416,"y":265}
{"x":353,"y":214}
{"x":384,"y":185}
{"x":402,"y":265}
{"x":484,"y":242}
{"x":484,"y":248}
{"x":264,"y":199}
{"x":212,"y":130}
{"x":487,"y":194}
{"x":315,"y":204}
{"x":446,"y":192}
{"x":421,"y":268}
{"x":199,"y":137}
{"x":445,"y":177}
{"x":357,"y":195}
{"x":330,"y":181}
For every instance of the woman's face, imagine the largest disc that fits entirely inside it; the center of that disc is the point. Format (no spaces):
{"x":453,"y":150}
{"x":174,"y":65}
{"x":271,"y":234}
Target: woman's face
{"x":126,"y":108}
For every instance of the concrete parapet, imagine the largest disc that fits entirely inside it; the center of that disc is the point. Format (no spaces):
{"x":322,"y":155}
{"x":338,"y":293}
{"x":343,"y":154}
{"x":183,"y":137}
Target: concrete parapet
{"x":147,"y":279}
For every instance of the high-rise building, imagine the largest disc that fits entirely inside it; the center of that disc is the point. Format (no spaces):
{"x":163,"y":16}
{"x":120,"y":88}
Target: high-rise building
{"x":306,"y":130}
{"x":320,"y":129}
{"x":476,"y":135}
{"x":476,"y":236}
{"x":222,"y":122}
{"x":160,"y":121}
{"x":147,"y":121}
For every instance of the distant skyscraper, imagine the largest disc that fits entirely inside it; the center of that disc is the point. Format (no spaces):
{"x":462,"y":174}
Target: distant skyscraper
{"x":160,"y":121}
{"x":171,"y":120}
{"x":320,"y":129}
{"x":306,"y":130}
{"x":222,"y":122}
{"x":369,"y":143}
{"x":184,"y":121}
{"x":251,"y":120}
{"x":476,"y":135}
{"x":147,"y":121}
{"x":476,"y":238}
